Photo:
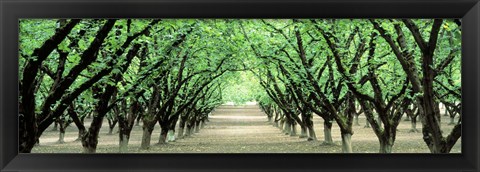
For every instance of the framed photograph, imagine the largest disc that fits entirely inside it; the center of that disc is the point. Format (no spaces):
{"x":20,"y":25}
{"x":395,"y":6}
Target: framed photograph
{"x":239,"y":85}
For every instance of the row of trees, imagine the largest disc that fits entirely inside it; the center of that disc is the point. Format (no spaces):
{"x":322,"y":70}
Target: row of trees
{"x":338,"y":69}
{"x":159,"y":71}
{"x":175,"y":72}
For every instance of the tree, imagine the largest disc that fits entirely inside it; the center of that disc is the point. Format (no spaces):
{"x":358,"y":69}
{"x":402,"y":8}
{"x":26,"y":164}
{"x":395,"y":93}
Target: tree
{"x":177,"y":71}
{"x":422,"y":83}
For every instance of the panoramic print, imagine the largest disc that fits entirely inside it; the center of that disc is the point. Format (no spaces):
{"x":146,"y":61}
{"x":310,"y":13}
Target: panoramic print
{"x":239,"y":86}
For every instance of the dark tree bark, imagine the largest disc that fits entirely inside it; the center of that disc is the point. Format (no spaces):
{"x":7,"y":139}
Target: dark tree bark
{"x":87,"y":57}
{"x":197,"y":126}
{"x":27,"y":118}
{"x":47,"y":116}
{"x":148,"y":126}
{"x":412,"y":112}
{"x":63,"y":123}
{"x":388,"y":115}
{"x":344,"y":121}
{"x":111,"y":124}
{"x":149,"y":118}
{"x":327,"y":132}
{"x":277,"y":117}
{"x":162,"y":139}
{"x":90,"y":139}
{"x":311,"y":131}
{"x":126,"y":123}
{"x":423,"y":85}
{"x":55,"y":126}
{"x":181,"y":127}
{"x":78,"y":121}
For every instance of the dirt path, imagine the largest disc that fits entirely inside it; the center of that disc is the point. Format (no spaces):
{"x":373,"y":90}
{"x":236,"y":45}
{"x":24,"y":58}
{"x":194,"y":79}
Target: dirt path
{"x":243,"y":129}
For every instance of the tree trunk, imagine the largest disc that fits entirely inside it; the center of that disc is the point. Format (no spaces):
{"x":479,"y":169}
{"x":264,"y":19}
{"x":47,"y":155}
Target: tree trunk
{"x":192,"y":129}
{"x":413,"y":121}
{"x":27,"y":142}
{"x":327,"y":131}
{"x":287,"y":128}
{"x":124,"y":134}
{"x":445,"y":111}
{"x":311,"y":134}
{"x":437,"y":114}
{"x":387,"y":139}
{"x":294,"y":130}
{"x":90,"y":139}
{"x":89,"y":148}
{"x":61,"y":137}
{"x":187,"y":131}
{"x":356,"y":120}
{"x":275,"y":121}
{"x":303,"y":132}
{"x":202,"y":124}
{"x":385,"y":147}
{"x":182,"y":126}
{"x":139,"y":117}
{"x":171,"y":136}
{"x":163,"y":136}
{"x":379,"y":121}
{"x":148,"y":127}
{"x":55,"y":126}
{"x":347,"y":143}
{"x":78,"y":123}
{"x":110,"y":131}
{"x":146,"y":137}
{"x":180,"y":131}
{"x":123,"y":142}
{"x":111,"y":126}
{"x":89,"y":143}
{"x":197,"y":126}
{"x":81,"y":132}
{"x":282,"y":124}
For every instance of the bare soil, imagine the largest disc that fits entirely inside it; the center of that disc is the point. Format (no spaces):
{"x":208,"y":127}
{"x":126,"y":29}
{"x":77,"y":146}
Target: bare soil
{"x":244,"y":129}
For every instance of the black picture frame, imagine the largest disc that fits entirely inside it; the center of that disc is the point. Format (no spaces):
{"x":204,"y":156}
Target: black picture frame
{"x":13,"y":10}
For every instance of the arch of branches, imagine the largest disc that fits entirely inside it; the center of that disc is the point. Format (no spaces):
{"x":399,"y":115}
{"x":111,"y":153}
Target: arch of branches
{"x":176,"y":71}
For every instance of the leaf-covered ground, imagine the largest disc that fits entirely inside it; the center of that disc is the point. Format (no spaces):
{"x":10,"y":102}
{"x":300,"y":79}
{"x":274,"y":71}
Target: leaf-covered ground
{"x":244,"y":129}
